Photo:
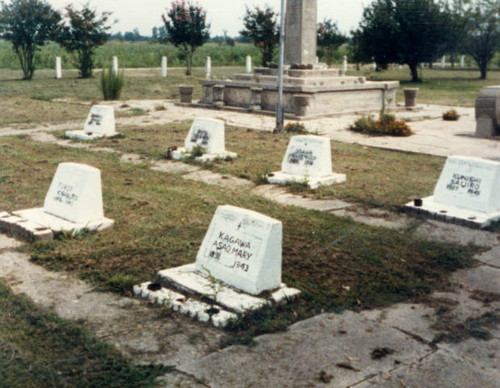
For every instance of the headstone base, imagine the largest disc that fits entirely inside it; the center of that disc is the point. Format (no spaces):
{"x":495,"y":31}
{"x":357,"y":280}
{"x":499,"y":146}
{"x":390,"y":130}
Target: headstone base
{"x":452,"y":214}
{"x":24,"y":229}
{"x":82,"y":135}
{"x":181,"y":153}
{"x":215,"y":302}
{"x":282,"y":178}
{"x":45,"y":220}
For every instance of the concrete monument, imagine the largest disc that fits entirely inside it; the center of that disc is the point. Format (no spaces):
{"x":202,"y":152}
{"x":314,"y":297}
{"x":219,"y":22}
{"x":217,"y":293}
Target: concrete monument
{"x":100,"y":123}
{"x":239,"y":259}
{"x":488,"y":112}
{"x":310,"y":89}
{"x":208,"y":134}
{"x":466,"y":193}
{"x":307,"y":159}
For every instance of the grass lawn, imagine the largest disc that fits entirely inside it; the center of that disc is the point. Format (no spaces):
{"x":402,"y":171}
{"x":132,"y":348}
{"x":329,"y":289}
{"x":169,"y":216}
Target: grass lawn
{"x":40,"y":350}
{"x":373,"y":176}
{"x":162,"y":218}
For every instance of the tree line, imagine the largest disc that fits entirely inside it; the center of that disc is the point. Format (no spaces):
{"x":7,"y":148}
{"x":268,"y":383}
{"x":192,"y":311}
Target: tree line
{"x":405,"y":32}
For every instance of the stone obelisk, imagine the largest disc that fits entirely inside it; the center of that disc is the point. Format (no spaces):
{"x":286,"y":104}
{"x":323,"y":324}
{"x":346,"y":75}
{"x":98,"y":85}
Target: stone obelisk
{"x":300,"y":31}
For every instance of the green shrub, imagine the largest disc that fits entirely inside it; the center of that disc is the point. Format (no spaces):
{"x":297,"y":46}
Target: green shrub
{"x":387,"y":124}
{"x":451,"y":115}
{"x":111,"y":84}
{"x":295,"y":128}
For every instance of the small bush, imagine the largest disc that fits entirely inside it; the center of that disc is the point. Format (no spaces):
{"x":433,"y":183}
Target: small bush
{"x":295,"y":128}
{"x":112,"y":84}
{"x":451,"y":115}
{"x":386,"y":125}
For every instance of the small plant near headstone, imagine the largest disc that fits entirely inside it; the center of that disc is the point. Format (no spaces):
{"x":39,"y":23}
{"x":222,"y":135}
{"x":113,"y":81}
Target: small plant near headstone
{"x":386,"y":125}
{"x":112,"y":84}
{"x":196,"y":152}
{"x":295,"y":128}
{"x":451,"y":115}
{"x":215,"y":286}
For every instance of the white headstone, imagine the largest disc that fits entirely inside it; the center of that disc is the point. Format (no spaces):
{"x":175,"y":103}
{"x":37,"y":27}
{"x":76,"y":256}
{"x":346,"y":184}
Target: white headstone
{"x":374,"y":66}
{"x":400,"y":67}
{"x":101,"y":121}
{"x":115,"y":65}
{"x":344,"y":64}
{"x":243,"y":249}
{"x":308,"y":156}
{"x":208,"y":67}
{"x":58,"y":68}
{"x":469,"y":183}
{"x":443,"y":62}
{"x":249,"y":64}
{"x":164,"y":64}
{"x":462,"y":61}
{"x":207,"y":133}
{"x":75,"y":193}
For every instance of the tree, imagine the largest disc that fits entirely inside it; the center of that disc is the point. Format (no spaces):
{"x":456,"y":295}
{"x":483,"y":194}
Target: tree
{"x":261,"y":27}
{"x":186,"y":27}
{"x":28,"y":24}
{"x":81,"y":34}
{"x":483,"y":32}
{"x":403,"y":31}
{"x":330,"y":39}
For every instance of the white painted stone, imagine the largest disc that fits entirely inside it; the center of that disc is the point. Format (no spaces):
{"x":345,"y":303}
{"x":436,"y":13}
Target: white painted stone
{"x":209,"y":135}
{"x":443,"y":62}
{"x":222,"y":318}
{"x":467,"y":190}
{"x":101,"y":120}
{"x":469,"y":183}
{"x":307,"y":159}
{"x":344,"y":64}
{"x":249,"y":64}
{"x":99,"y":123}
{"x":58,"y":68}
{"x":164,"y":65}
{"x":374,"y":66}
{"x":243,"y":249}
{"x":462,"y":61}
{"x":191,"y":281}
{"x":115,"y":65}
{"x":284,"y":294}
{"x":75,"y":193}
{"x":208,"y":67}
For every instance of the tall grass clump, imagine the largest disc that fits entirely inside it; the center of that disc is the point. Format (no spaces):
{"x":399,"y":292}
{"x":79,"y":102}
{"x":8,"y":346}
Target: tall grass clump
{"x":112,"y":84}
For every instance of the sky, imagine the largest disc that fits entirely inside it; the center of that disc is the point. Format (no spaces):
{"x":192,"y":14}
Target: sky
{"x":222,"y":14}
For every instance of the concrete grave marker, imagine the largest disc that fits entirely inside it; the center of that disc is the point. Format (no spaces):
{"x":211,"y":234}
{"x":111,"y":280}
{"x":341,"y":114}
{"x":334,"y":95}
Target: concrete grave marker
{"x":248,"y":65}
{"x":99,"y":123}
{"x":243,"y":249}
{"x":307,"y":158}
{"x":73,"y":202}
{"x":58,"y":68}
{"x":164,"y":65}
{"x":207,"y":134}
{"x":466,"y":192}
{"x":240,"y":258}
{"x":115,"y":65}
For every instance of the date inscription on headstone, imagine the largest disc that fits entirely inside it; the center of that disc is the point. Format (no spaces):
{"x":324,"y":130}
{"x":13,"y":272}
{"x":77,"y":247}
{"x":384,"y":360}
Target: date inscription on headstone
{"x":200,"y":137}
{"x":469,"y":183}
{"x":243,"y":249}
{"x":308,"y":156}
{"x":207,"y":133}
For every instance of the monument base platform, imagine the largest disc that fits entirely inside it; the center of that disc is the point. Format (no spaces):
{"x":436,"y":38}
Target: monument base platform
{"x":307,"y":94}
{"x":282,"y":178}
{"x":186,"y":290}
{"x":181,"y":153}
{"x":452,"y":214}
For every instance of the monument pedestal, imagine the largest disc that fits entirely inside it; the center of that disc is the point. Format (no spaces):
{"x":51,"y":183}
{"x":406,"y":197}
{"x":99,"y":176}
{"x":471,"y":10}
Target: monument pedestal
{"x":307,"y":93}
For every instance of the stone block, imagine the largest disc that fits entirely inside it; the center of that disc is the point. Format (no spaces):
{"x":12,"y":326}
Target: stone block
{"x":466,"y":193}
{"x":100,"y":123}
{"x":307,"y":159}
{"x":488,"y":112}
{"x":242,"y":248}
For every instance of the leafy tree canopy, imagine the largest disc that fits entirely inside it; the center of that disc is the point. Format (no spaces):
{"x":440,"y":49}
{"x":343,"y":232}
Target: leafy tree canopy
{"x":187,"y":28}
{"x":28,"y":24}
{"x":261,"y":26}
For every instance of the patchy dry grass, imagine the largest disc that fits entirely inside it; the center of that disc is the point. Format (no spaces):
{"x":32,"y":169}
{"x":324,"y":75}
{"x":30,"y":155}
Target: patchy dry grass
{"x":161,"y":220}
{"x":374,"y":177}
{"x":40,"y":350}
